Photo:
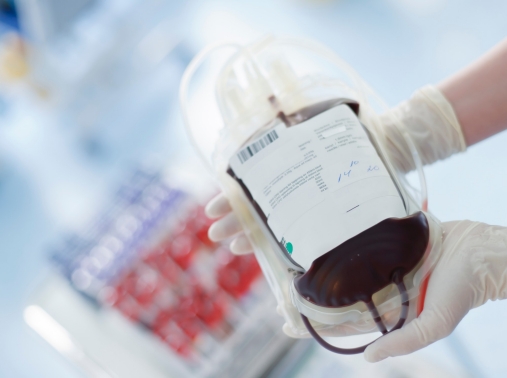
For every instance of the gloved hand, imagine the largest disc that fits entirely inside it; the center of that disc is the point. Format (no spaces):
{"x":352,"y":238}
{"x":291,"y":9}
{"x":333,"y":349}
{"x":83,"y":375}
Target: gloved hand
{"x":227,"y":226}
{"x":427,"y":117}
{"x":471,"y":270}
{"x":432,"y":125}
{"x":429,"y":120}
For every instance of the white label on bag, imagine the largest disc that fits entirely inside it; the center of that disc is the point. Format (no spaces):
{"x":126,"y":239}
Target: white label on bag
{"x":319,"y":183}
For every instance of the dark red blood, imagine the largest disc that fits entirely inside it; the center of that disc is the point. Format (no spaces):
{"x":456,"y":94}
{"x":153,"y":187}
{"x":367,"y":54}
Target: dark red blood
{"x":366,"y":263}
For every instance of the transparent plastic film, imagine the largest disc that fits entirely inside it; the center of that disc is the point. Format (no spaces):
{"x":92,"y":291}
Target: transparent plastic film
{"x":306,"y":165}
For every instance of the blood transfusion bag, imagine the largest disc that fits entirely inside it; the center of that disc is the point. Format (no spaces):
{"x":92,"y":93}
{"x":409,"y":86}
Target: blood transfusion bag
{"x":340,"y":235}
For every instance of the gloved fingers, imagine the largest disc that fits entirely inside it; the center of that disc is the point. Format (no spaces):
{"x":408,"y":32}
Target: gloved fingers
{"x":241,"y":245}
{"x":288,"y":331}
{"x":445,"y":305}
{"x":218,"y":207}
{"x":419,"y":333}
{"x":224,"y":228}
{"x":458,"y":283}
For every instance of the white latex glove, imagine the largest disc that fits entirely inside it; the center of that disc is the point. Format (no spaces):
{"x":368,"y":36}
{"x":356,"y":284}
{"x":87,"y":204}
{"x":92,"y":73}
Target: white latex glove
{"x":427,"y":117}
{"x":431,"y":123}
{"x":471,"y":270}
{"x":227,"y":226}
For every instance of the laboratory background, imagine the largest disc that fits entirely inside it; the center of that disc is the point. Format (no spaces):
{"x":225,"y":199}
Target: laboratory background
{"x":102,"y":227}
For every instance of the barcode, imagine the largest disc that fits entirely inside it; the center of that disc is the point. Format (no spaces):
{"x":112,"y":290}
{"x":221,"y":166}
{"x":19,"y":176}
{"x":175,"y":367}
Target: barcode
{"x":249,"y":151}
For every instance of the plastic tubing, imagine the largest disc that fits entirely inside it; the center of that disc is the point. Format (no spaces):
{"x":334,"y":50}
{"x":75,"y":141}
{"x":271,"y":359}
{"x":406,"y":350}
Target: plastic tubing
{"x":327,"y":53}
{"x":332,"y":57}
{"x":398,"y":280}
{"x":316,"y":48}
{"x":189,"y":73}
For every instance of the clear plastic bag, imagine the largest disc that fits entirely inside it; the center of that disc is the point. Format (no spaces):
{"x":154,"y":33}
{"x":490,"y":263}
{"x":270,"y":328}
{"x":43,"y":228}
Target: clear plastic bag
{"x":272,"y":85}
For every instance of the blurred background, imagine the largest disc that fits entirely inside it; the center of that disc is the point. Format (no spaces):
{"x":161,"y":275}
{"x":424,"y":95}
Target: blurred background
{"x":102,"y":233}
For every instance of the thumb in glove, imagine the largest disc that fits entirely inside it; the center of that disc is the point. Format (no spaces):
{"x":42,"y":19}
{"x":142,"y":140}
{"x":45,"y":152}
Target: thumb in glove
{"x":471,"y":271}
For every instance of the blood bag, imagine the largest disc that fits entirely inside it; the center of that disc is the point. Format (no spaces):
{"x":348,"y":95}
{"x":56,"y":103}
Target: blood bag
{"x":340,"y":234}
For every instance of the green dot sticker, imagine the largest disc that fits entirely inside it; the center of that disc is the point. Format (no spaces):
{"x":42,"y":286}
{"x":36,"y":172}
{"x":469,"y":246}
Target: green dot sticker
{"x":289,"y":248}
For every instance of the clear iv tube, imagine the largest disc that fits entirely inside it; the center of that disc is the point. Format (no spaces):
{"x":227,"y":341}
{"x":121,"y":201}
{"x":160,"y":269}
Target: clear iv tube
{"x":331,"y":56}
{"x":323,"y":51}
{"x":318,"y":49}
{"x":398,"y":280}
{"x":364,"y":92}
{"x":183,"y":93}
